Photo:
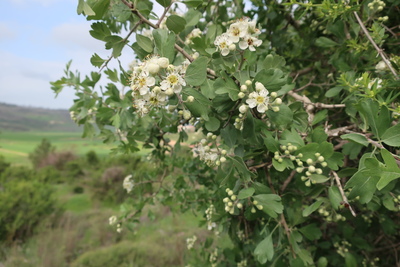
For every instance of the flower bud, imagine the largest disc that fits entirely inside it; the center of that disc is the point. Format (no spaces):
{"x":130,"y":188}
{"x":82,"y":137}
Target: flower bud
{"x":255,"y":202}
{"x":241,"y":95}
{"x":239,"y":205}
{"x":309,"y":161}
{"x":278,"y":101}
{"x":187,"y":114}
{"x":232,"y":47}
{"x":243,"y":108}
{"x":190,"y":99}
{"x":223,"y":152}
{"x":273,"y":94}
{"x":153,"y":68}
{"x":230,"y":193}
{"x":260,"y":207}
{"x":233,"y":197}
{"x":163,"y":62}
{"x":311,"y":168}
{"x":248,"y":82}
{"x":169,"y":91}
{"x":253,"y":210}
{"x":243,"y":88}
{"x":222,"y":159}
{"x":226,"y":200}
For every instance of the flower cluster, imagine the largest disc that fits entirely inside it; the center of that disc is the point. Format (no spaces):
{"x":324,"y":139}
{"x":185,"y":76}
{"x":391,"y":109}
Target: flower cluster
{"x":128,"y":183}
{"x":190,"y":242}
{"x":260,"y":99}
{"x":209,"y":213}
{"x":329,"y":216}
{"x":211,"y":156}
{"x":376,"y":5}
{"x":196,"y":32}
{"x":242,"y":32}
{"x":147,"y":89}
{"x":231,"y":201}
{"x":342,"y":248}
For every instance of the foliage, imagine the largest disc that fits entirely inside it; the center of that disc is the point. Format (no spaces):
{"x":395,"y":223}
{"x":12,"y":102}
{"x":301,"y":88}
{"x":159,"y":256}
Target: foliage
{"x":41,"y":152}
{"x":299,"y":163}
{"x":24,"y":202}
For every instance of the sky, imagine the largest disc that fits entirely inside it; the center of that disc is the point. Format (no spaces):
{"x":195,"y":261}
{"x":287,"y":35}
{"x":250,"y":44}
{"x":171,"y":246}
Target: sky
{"x":37,"y":39}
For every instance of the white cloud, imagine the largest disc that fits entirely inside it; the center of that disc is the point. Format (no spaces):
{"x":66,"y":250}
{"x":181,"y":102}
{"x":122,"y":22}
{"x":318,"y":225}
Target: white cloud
{"x":26,"y":82}
{"x":6,"y":33}
{"x":75,"y":35}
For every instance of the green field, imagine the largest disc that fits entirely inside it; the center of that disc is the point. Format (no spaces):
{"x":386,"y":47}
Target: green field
{"x":16,"y":146}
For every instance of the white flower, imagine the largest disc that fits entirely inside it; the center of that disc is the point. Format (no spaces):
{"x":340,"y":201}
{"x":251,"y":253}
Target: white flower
{"x":222,"y":42}
{"x":156,"y":97}
{"x":249,"y":42}
{"x":174,"y":81}
{"x":236,"y":31}
{"x":243,"y":108}
{"x":381,"y":66}
{"x":142,"y":83}
{"x":112,"y":220}
{"x":128,"y":183}
{"x":259,"y":99}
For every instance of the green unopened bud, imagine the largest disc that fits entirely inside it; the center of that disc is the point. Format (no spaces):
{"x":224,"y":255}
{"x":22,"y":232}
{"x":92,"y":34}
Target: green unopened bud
{"x":248,"y":82}
{"x":278,"y":101}
{"x":324,"y":164}
{"x":226,"y":200}
{"x":321,"y":159}
{"x":299,"y":170}
{"x":253,"y":210}
{"x":232,"y":47}
{"x":243,"y":88}
{"x":230,"y":193}
{"x":255,"y":202}
{"x":239,"y":205}
{"x":241,"y":95}
{"x":311,"y":168}
{"x":260,"y":207}
{"x":274,"y":94}
{"x":223,"y":152}
{"x":309,"y":161}
{"x":222,"y":159}
{"x":233,"y":197}
{"x":308,"y":183}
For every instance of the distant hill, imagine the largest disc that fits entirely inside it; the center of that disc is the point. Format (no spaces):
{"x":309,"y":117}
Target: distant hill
{"x":18,"y":118}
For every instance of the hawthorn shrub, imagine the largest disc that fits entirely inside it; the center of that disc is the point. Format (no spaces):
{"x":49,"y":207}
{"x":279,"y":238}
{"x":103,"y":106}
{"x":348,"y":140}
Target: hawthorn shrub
{"x":297,"y":104}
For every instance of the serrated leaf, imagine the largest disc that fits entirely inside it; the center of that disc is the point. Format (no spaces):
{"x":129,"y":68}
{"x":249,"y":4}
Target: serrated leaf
{"x":227,"y":86}
{"x":246,"y":192}
{"x":272,"y":79}
{"x":271,"y":204}
{"x":207,"y":89}
{"x":176,"y":23}
{"x":265,"y":250}
{"x":165,"y":43}
{"x":311,"y":232}
{"x":391,"y":136}
{"x":333,"y":91}
{"x":96,"y":60}
{"x":196,"y":72}
{"x":192,"y":17}
{"x":200,"y":106}
{"x":241,"y":167}
{"x":363,"y":185}
{"x":313,"y":207}
{"x":283,"y":117}
{"x":273,"y":61}
{"x":145,"y":43}
{"x":355,"y":137}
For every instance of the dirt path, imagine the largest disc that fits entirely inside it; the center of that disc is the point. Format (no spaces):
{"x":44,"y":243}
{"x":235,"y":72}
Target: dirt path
{"x":13,"y":152}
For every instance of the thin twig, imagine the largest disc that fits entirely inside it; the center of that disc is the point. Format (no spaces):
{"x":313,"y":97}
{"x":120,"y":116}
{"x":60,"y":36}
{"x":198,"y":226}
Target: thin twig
{"x":377,"y":48}
{"x":288,"y":180}
{"x":345,"y":200}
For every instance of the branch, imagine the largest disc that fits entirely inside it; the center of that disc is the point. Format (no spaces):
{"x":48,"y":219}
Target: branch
{"x":345,"y":200}
{"x":377,"y":48}
{"x":288,"y":180}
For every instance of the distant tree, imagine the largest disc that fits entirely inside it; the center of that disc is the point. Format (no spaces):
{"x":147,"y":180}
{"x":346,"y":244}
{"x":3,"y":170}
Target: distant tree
{"x":42,"y":151}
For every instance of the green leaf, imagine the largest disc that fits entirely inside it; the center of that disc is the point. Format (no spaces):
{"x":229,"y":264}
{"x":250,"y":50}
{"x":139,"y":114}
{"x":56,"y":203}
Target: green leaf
{"x":97,"y":61}
{"x":193,"y":3}
{"x":357,"y":138}
{"x":319,"y":116}
{"x":99,"y":7}
{"x":273,"y":61}
{"x":313,"y":207}
{"x":363,"y":185}
{"x":270,"y":142}
{"x":325,"y":42}
{"x":265,"y":250}
{"x":192,"y":17}
{"x":145,"y":43}
{"x":207,"y":89}
{"x":241,"y":167}
{"x":333,"y":91}
{"x":100,"y":31}
{"x":335,"y":197}
{"x":196,"y":72}
{"x":164,"y":3}
{"x":165,"y":43}
{"x":378,"y":120}
{"x":318,"y":178}
{"x":246,"y":192}
{"x":350,"y":260}
{"x":283,"y":117}
{"x":227,"y":86}
{"x":176,"y":23}
{"x":212,"y":124}
{"x":311,"y":232}
{"x":271,"y":204}
{"x":391,"y":136}
{"x":200,"y":106}
{"x":272,"y":79}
